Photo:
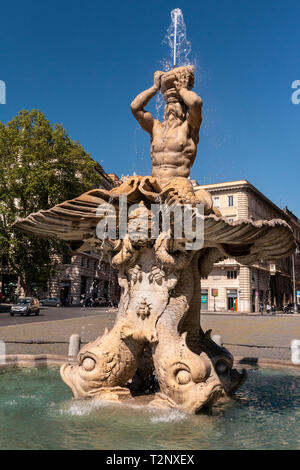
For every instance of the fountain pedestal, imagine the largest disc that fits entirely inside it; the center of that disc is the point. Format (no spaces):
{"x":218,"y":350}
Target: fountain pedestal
{"x":159,"y":313}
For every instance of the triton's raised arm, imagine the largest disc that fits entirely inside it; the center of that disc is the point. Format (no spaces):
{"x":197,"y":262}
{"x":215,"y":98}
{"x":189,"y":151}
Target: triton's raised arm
{"x":145,"y":118}
{"x":192,"y":101}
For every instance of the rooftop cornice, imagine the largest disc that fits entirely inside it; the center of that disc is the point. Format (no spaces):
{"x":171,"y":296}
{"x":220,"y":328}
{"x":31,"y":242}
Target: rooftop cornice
{"x":244,"y":184}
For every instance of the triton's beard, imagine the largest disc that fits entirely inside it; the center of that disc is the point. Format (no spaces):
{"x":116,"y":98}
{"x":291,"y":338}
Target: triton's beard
{"x":176,"y":109}
{"x":173,"y":119}
{"x":176,"y":115}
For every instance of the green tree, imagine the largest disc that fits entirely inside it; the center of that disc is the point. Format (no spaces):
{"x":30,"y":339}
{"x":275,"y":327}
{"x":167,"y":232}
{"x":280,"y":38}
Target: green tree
{"x":40,"y":166}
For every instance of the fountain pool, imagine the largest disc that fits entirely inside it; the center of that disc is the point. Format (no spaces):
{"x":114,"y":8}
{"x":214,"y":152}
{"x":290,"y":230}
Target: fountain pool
{"x":37,"y":412}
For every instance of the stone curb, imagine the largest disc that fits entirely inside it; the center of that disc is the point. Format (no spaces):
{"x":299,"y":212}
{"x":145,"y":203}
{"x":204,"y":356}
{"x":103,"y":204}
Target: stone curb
{"x":264,"y":362}
{"x":34,"y":360}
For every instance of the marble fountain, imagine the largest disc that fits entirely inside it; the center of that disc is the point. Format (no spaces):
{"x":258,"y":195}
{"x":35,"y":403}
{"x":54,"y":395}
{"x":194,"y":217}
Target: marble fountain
{"x":157,"y":342}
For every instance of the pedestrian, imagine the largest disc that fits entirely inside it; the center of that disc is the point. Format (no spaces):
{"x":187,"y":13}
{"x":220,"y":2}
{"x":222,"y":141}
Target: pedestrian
{"x":268,"y":309}
{"x":261,"y":308}
{"x":82,"y":297}
{"x":273,"y":309}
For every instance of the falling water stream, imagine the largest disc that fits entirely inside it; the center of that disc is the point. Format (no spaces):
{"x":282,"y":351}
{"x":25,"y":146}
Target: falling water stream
{"x":180,"y":48}
{"x":177,"y":39}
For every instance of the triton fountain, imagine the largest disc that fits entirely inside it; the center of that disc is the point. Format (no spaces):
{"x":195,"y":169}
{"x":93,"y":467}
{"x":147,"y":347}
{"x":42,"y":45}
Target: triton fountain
{"x":158,"y":324}
{"x":157,"y":341}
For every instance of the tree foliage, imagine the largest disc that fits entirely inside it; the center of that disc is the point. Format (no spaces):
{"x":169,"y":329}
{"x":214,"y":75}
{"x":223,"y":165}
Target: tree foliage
{"x":40,"y":166}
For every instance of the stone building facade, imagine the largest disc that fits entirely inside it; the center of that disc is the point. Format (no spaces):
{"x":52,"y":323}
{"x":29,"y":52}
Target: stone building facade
{"x":85,"y":274}
{"x":77,"y":274}
{"x":80,"y":275}
{"x":234,"y":287}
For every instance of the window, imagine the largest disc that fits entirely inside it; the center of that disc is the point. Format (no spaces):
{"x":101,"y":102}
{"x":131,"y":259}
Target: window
{"x":87,"y":263}
{"x":66,"y":259}
{"x":230,"y":200}
{"x":82,"y":261}
{"x":230,"y":219}
{"x":216,"y":201}
{"x":231,"y":274}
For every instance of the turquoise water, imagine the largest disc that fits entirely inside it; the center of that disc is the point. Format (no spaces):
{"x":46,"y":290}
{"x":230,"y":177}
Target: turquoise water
{"x":38,"y":412}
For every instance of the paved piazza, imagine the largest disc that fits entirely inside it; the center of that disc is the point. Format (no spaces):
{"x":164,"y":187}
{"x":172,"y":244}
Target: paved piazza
{"x":57,"y":324}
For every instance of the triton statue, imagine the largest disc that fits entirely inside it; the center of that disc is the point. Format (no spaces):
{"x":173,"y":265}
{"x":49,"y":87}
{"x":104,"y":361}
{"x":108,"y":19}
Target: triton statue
{"x":157,"y":342}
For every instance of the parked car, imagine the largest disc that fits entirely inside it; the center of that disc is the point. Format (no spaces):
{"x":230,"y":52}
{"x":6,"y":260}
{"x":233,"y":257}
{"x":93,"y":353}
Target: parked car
{"x":25,"y":306}
{"x":51,"y":302}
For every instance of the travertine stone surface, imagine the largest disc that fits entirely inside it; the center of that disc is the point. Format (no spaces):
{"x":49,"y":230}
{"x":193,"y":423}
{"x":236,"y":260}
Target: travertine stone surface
{"x":157,"y":342}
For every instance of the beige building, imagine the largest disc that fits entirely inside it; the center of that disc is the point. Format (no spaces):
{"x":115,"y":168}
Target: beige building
{"x":234,"y":287}
{"x":80,"y":275}
{"x":77,"y":275}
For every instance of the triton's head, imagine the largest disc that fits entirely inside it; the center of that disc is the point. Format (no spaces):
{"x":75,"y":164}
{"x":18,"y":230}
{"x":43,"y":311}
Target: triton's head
{"x":183,"y":75}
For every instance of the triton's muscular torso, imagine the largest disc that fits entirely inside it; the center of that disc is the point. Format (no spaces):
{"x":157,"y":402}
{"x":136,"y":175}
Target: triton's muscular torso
{"x":173,"y":141}
{"x":173,"y":150}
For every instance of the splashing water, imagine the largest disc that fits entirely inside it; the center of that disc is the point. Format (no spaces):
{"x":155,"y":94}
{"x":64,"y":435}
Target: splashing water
{"x":159,"y":106}
{"x":263,"y":416}
{"x":169,"y":417}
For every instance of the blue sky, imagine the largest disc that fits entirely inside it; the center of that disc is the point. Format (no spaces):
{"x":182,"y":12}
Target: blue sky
{"x":82,"y":62}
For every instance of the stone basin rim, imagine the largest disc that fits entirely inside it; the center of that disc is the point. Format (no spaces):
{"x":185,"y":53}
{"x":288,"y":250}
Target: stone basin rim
{"x":52,"y":360}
